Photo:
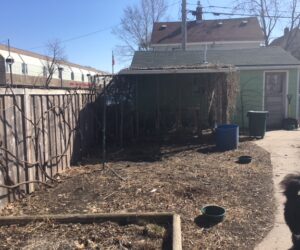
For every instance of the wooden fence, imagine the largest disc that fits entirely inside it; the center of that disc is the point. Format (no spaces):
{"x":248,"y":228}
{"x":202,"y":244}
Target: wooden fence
{"x":41,"y":133}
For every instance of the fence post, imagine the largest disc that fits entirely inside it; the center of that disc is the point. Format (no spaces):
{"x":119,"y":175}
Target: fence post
{"x":29,"y":172}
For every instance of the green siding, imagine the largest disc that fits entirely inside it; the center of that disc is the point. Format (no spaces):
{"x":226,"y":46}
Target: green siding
{"x":292,"y":89}
{"x":251,"y":93}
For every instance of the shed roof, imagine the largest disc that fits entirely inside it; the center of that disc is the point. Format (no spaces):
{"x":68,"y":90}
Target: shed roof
{"x":235,"y":29}
{"x":265,"y":56}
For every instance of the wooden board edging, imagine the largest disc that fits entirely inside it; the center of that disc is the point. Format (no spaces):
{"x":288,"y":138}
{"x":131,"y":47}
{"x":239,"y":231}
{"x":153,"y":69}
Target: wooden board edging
{"x":176,"y":234}
{"x":125,"y":218}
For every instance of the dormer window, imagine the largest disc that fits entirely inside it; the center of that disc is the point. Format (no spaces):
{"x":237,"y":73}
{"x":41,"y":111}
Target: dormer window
{"x":163,"y":27}
{"x":244,"y":22}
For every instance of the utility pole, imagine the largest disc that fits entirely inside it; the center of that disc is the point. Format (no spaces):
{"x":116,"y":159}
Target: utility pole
{"x":183,"y":27}
{"x":9,"y":60}
{"x":112,"y":63}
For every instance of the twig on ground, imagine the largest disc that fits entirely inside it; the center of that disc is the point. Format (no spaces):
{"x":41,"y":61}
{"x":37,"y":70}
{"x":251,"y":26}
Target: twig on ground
{"x":115,"y":173}
{"x":109,"y":195}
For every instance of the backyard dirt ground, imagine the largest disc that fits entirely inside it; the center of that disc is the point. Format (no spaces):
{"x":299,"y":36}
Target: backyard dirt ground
{"x":108,"y":235}
{"x":173,"y":178}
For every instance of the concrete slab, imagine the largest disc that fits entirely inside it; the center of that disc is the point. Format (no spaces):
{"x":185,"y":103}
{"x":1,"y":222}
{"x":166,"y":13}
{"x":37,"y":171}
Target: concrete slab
{"x":284,"y":147}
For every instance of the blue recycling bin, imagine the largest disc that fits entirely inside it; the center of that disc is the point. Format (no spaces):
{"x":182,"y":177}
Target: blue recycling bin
{"x":227,"y":137}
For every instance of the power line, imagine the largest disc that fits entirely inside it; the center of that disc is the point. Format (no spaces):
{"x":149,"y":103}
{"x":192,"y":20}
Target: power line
{"x":77,"y":37}
{"x":91,"y":33}
{"x":250,"y":14}
{"x":245,"y":14}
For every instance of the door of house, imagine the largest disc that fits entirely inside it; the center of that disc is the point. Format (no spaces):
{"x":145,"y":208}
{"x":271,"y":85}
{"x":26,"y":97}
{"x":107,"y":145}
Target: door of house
{"x":275,"y":98}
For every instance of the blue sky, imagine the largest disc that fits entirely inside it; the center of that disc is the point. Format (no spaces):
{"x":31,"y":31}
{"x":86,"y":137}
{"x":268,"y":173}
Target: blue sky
{"x":30,"y":24}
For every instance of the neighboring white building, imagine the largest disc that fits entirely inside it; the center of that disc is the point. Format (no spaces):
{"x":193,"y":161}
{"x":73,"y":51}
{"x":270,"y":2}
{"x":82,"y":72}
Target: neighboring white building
{"x":30,"y":68}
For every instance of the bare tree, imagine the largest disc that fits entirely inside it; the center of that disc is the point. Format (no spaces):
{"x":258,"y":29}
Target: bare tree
{"x":136,"y":25}
{"x":268,"y":12}
{"x":54,"y":56}
{"x":293,"y":28}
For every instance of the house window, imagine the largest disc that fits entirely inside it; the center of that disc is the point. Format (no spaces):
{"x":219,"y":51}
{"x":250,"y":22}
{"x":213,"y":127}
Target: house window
{"x":82,"y":77}
{"x":44,"y":71}
{"x":24,"y":69}
{"x":89,"y":79}
{"x":72,"y":76}
{"x":275,"y":82}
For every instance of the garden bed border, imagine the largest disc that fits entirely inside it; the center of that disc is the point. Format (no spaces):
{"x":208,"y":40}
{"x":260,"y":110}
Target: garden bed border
{"x":124,"y":218}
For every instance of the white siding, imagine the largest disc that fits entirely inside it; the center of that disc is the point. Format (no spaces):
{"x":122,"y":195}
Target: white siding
{"x":35,"y":67}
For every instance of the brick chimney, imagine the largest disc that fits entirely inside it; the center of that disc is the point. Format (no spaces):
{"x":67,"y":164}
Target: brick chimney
{"x":198,"y":13}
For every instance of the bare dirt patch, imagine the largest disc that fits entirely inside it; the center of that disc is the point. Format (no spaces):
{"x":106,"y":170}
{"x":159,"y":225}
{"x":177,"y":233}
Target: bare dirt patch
{"x":107,"y":235}
{"x":174,"y":178}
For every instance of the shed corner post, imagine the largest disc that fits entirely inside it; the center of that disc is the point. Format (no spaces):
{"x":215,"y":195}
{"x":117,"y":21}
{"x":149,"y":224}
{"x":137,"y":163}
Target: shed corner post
{"x":157,"y":105}
{"x":104,"y":126}
{"x":137,"y":121}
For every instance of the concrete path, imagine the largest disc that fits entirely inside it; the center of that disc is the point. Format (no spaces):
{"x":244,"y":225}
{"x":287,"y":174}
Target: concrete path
{"x":284,"y":147}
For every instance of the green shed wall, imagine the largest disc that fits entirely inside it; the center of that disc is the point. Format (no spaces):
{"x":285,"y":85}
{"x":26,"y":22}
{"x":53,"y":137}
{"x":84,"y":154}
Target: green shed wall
{"x":292,"y":89}
{"x":251,"y":93}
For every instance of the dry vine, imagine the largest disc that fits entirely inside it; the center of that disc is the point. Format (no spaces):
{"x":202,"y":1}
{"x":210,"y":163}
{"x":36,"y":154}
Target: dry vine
{"x":36,"y":132}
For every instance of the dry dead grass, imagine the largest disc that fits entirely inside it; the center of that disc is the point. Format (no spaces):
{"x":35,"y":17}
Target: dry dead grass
{"x":171,"y":178}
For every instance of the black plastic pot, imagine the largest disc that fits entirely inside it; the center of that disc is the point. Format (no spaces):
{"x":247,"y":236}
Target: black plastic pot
{"x":213,"y":213}
{"x":245,"y":159}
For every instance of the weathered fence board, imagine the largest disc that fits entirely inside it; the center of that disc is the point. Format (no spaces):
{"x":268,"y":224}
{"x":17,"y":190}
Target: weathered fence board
{"x":41,"y":133}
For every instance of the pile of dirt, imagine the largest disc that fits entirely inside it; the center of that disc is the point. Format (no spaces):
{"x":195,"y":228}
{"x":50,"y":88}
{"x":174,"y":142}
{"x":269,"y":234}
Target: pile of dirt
{"x":178,"y":179}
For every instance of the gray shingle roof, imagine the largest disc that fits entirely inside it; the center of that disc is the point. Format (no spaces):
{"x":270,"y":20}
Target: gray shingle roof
{"x":265,"y":56}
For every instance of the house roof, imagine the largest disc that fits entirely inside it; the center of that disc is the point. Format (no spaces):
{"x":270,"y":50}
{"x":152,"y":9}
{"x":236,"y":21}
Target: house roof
{"x":291,"y":41}
{"x":264,"y":56}
{"x":280,"y":41}
{"x":236,"y":29}
{"x":43,"y":57}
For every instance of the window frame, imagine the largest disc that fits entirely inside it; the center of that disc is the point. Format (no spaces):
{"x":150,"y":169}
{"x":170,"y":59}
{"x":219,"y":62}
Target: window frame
{"x":24,"y":68}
